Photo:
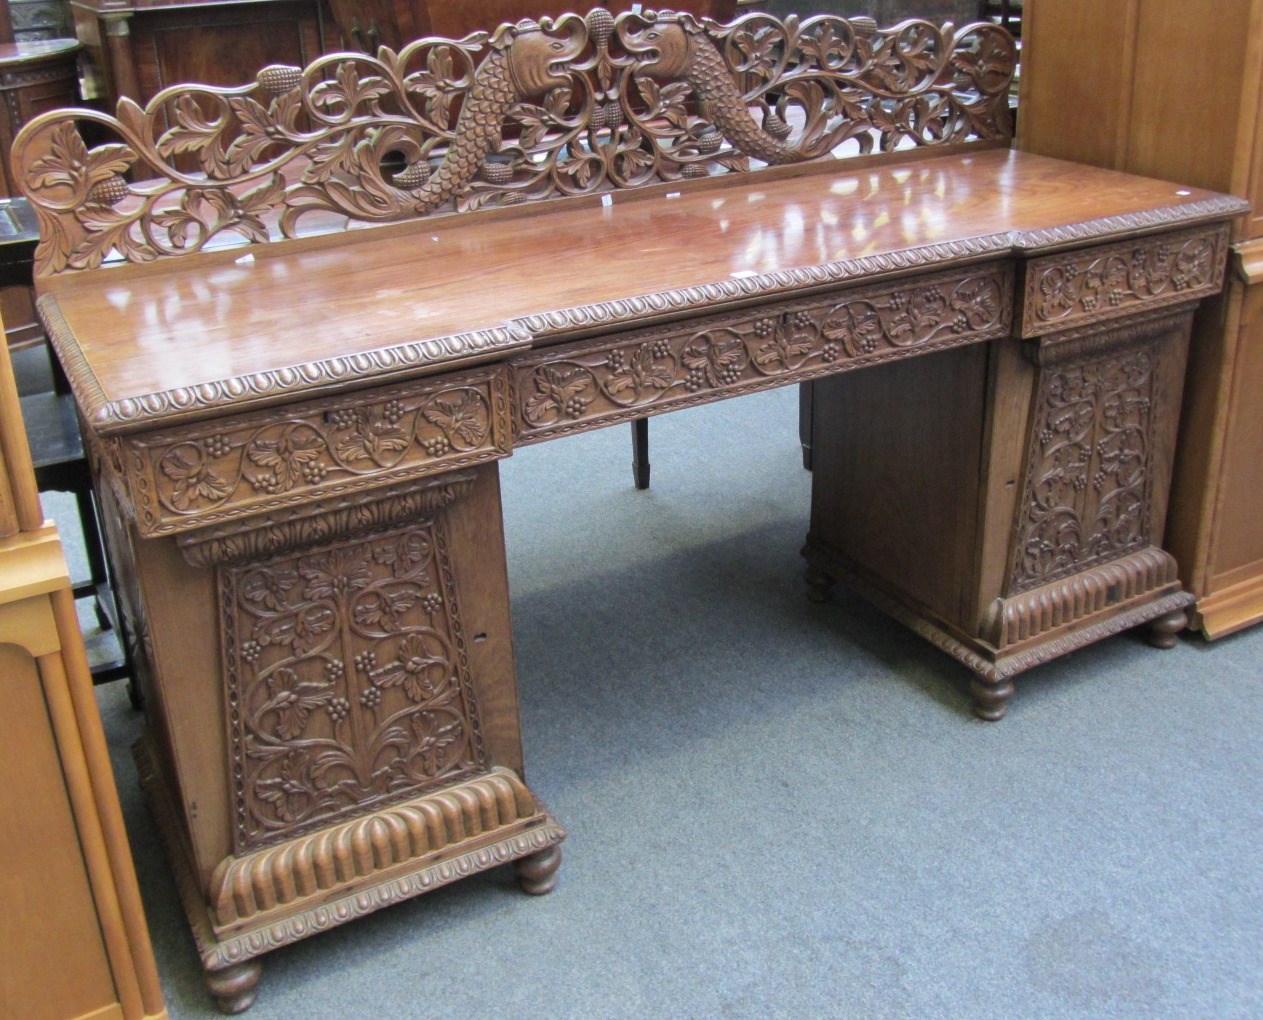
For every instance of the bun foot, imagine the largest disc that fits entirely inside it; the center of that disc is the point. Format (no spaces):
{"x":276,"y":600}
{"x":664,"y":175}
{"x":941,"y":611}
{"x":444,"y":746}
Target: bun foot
{"x":234,"y":988}
{"x":819,"y":585}
{"x":991,"y":698}
{"x":1161,"y":633}
{"x":537,"y":874}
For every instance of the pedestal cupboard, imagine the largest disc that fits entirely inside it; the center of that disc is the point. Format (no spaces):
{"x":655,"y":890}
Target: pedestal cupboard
{"x":1172,"y":89}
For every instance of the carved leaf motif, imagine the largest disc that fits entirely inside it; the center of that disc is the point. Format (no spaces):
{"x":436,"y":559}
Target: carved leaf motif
{"x":558,"y":389}
{"x":437,"y":735}
{"x":194,"y":481}
{"x":287,"y":455}
{"x":718,"y":356}
{"x":462,"y":417}
{"x":292,"y":701}
{"x":383,"y":609}
{"x":643,"y":372}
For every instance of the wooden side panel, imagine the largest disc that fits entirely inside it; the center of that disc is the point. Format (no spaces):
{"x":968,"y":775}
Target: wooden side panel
{"x":53,"y":964}
{"x":1185,"y":107}
{"x":1077,"y":67}
{"x":1238,"y":546}
{"x":894,"y":435}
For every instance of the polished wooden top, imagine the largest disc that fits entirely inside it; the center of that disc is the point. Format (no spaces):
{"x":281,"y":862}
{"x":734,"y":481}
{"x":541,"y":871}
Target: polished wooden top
{"x":350,"y":309}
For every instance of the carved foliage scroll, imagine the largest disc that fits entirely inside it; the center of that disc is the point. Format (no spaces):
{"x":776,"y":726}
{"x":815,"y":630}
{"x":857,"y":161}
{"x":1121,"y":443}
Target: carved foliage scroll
{"x":347,"y":681}
{"x":1108,"y":282}
{"x":1087,"y":488}
{"x":568,"y":106}
{"x":589,"y":384}
{"x":269,"y":459}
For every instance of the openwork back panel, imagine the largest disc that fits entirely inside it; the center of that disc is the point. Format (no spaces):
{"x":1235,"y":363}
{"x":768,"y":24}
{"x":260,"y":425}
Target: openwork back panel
{"x":536,"y":110}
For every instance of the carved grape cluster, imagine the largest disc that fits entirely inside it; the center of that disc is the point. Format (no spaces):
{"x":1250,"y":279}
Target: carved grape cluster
{"x":314,"y":471}
{"x":575,"y":406}
{"x":342,"y":418}
{"x":392,"y":411}
{"x":432,"y":602}
{"x":338,"y":709}
{"x":1116,"y":296}
{"x":250,"y":651}
{"x":829,"y":352}
{"x":371,"y":697}
{"x":616,"y":361}
{"x":334,"y":669}
{"x":217,"y":446}
{"x":803,"y":320}
{"x":764,"y":328}
{"x":365,"y":661}
{"x":660,"y":349}
{"x":695,"y":380}
{"x":436,"y":446}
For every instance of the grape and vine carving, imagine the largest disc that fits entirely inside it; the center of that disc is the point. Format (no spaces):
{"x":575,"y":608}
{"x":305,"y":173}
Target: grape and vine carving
{"x":1096,"y":285}
{"x":345,"y":680}
{"x":1087,"y":484}
{"x":566,"y":106}
{"x":301,"y":452}
{"x":753,"y":349}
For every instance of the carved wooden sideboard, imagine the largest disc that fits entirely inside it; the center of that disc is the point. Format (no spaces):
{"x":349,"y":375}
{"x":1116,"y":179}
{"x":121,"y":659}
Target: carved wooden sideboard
{"x":1151,"y":101}
{"x":297,"y":441}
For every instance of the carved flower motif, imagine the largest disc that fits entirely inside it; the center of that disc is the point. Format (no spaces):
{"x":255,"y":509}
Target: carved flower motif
{"x":420,"y":668}
{"x":333,"y":574}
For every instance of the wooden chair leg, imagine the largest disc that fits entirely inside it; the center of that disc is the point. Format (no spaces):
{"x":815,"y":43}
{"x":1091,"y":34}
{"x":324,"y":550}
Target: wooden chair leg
{"x":640,"y":452}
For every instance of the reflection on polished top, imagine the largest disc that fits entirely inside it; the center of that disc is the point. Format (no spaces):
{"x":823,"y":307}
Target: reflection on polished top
{"x":183,"y":323}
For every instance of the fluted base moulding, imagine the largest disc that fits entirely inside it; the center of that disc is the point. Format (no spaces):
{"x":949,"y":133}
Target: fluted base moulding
{"x":260,"y":901}
{"x":1030,"y":628}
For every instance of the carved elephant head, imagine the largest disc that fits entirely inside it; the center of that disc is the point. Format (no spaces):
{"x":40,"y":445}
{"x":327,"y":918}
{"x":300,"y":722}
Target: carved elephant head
{"x":663,"y":43}
{"x":538,"y":58}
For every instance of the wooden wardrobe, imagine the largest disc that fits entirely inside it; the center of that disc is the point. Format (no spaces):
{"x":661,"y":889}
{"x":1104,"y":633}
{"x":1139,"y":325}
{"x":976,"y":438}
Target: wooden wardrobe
{"x":1171,"y":89}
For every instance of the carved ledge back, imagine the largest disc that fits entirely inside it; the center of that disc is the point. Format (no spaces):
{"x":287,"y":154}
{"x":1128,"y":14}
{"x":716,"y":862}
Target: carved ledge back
{"x":533,"y":111}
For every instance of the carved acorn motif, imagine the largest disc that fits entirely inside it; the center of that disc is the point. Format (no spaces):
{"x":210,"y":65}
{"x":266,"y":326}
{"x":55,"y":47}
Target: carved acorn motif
{"x":280,"y":78}
{"x":709,"y":142}
{"x":495,"y":173}
{"x":108,"y":191}
{"x":775,"y":127}
{"x":414,"y":175}
{"x":600,"y":24}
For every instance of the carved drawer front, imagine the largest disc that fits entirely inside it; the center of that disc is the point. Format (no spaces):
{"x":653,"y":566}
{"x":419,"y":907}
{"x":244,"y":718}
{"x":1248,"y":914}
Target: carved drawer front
{"x":217,"y":471}
{"x":574,"y":387}
{"x":1112,"y":280}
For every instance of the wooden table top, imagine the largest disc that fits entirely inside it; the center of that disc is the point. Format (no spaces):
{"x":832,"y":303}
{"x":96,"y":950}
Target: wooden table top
{"x":200,"y":335}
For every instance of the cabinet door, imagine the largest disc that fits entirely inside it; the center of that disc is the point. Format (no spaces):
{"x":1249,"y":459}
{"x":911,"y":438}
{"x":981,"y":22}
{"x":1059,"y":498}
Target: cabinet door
{"x":53,"y":964}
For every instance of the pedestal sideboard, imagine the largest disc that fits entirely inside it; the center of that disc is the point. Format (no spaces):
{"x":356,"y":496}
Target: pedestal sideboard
{"x":600,"y":219}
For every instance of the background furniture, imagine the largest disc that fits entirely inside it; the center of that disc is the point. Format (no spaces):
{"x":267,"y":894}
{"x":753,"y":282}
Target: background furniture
{"x":73,"y":939}
{"x":137,"y":49}
{"x":1171,"y":89}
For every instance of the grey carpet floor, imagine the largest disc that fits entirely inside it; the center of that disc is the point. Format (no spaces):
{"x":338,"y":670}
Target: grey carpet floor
{"x":778,"y":809}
